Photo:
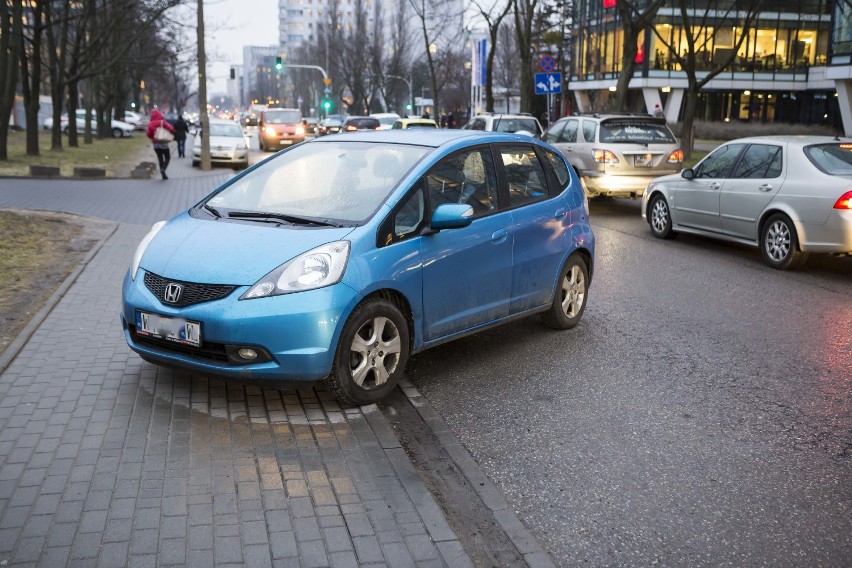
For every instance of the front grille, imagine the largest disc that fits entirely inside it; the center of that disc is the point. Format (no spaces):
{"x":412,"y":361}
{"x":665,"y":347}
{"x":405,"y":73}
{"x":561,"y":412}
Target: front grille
{"x":193,"y":293}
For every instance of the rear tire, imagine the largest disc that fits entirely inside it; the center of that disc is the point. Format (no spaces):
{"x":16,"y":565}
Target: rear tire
{"x":371,"y":353}
{"x":117,"y":133}
{"x":569,"y":302}
{"x":779,"y":243}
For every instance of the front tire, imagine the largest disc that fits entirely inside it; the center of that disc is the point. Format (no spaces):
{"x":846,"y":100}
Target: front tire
{"x":660,"y":218}
{"x":371,"y":353}
{"x":117,"y":133}
{"x":569,"y":302}
{"x":779,"y":243}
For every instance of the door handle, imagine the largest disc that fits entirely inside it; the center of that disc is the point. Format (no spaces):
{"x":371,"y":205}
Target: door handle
{"x":715,"y":185}
{"x":561,"y":212}
{"x":765,"y":187}
{"x":499,"y":236}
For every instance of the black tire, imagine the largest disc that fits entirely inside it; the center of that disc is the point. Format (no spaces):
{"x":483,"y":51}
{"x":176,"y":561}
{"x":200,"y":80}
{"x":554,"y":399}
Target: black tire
{"x":117,"y":133}
{"x":569,"y":301}
{"x":660,"y":217}
{"x":779,"y":243}
{"x":260,"y":145}
{"x":371,"y":354}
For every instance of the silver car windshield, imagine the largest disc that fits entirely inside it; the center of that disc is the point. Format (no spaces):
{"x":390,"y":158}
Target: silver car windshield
{"x":345,"y":181}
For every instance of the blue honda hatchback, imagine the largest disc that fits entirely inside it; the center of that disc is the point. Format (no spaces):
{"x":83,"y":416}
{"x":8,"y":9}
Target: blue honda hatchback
{"x":338,"y":258}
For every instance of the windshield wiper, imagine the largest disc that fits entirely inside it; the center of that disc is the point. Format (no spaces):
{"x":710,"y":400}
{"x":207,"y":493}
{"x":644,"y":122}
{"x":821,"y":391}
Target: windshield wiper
{"x":213,"y":211}
{"x":276,"y":217}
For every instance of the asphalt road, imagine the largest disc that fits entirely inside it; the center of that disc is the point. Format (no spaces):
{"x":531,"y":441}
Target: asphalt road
{"x":700,"y":415}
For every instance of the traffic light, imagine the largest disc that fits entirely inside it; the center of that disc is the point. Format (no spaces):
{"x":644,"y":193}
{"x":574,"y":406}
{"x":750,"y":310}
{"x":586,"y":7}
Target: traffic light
{"x":326,"y":104}
{"x":278,"y":64}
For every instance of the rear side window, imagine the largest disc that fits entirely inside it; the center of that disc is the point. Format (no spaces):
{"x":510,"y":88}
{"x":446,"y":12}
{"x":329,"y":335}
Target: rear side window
{"x":570,"y":132}
{"x":559,"y":168}
{"x":627,"y":131}
{"x":590,"y":128}
{"x":525,"y":174}
{"x":759,"y":161}
{"x":833,"y":159}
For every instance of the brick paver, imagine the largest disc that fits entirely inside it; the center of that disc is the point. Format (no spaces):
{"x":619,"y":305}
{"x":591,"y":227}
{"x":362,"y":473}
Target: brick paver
{"x":106,"y":460}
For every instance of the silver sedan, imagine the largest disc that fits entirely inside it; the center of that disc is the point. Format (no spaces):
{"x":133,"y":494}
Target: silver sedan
{"x":789,"y":195}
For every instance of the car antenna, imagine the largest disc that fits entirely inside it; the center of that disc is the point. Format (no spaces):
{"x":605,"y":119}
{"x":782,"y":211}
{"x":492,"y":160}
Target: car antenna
{"x":497,"y":124}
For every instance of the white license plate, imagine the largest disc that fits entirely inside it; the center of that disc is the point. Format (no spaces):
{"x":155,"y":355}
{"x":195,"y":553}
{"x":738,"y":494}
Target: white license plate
{"x":642,"y":161}
{"x":178,"y":330}
{"x":220,"y":156}
{"x":285,"y":142}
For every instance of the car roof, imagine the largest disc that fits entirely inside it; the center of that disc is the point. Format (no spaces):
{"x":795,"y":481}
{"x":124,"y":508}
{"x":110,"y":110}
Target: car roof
{"x":412,"y":119}
{"x":425,"y":137}
{"x":793,"y":140}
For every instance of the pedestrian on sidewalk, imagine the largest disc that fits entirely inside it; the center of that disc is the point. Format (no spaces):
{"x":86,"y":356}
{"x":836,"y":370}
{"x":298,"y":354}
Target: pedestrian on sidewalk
{"x":181,"y":130}
{"x":161,"y":133}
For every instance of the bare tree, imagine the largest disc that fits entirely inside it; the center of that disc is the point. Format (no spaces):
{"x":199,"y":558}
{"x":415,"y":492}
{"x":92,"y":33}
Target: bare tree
{"x":31,"y":71}
{"x":635,"y":19}
{"x":434,"y":19}
{"x":493,"y":17}
{"x":508,"y":66}
{"x":11,"y":32}
{"x":699,"y":29}
{"x":524,"y":15}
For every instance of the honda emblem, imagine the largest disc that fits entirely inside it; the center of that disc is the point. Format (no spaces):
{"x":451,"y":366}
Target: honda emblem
{"x":173,"y":293}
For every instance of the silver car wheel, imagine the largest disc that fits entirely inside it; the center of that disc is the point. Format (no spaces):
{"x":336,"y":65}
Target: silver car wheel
{"x":573,"y":291}
{"x":778,"y":241}
{"x":374,"y":352}
{"x":660,"y":216}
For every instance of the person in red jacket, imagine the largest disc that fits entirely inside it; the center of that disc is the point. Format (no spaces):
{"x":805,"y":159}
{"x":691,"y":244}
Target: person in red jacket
{"x":161,"y":147}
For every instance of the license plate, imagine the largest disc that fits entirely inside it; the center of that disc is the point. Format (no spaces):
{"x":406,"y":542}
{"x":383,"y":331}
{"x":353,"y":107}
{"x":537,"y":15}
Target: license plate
{"x":177,"y":330}
{"x":219,"y":156}
{"x":285,"y":142}
{"x":642,"y":161}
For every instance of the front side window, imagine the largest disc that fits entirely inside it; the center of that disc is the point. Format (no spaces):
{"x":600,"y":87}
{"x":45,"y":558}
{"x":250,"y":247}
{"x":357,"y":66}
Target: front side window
{"x":552,"y":134}
{"x":465,"y":177}
{"x":342,"y":181}
{"x":759,"y":161}
{"x":525,"y":174}
{"x":718,"y":164}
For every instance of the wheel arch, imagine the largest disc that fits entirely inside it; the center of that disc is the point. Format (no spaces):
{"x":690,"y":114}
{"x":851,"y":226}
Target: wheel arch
{"x":769,"y":212}
{"x":398,"y":300}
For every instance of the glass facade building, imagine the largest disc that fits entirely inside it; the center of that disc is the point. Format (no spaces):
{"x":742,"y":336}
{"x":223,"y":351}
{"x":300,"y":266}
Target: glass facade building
{"x":777,"y":69}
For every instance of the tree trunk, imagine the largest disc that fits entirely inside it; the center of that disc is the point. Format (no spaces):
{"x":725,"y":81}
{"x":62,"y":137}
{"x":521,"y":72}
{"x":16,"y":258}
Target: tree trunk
{"x":686,"y":138}
{"x":10,"y":39}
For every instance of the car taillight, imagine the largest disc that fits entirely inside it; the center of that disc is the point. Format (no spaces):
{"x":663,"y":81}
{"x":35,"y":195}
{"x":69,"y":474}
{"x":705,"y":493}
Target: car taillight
{"x":845,"y":201}
{"x":604,"y":157}
{"x":676,"y":157}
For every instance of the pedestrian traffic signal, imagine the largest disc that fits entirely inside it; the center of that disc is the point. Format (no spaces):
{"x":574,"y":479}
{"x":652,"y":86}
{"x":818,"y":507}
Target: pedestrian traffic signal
{"x":278,"y":64}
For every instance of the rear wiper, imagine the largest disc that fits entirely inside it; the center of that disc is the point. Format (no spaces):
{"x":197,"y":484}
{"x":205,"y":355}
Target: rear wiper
{"x":276,"y":217}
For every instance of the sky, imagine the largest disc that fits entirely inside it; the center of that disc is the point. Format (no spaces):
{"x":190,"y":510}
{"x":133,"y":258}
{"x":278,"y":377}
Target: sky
{"x":230,"y":25}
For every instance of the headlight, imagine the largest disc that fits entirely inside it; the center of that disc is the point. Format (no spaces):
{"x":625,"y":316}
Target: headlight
{"x":322,"y":266}
{"x":140,"y":250}
{"x":242,"y":146}
{"x":270,"y":131}
{"x":300,"y":130}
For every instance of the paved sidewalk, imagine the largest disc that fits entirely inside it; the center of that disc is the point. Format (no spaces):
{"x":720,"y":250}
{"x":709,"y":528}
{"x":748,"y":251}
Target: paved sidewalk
{"x":106,"y":460}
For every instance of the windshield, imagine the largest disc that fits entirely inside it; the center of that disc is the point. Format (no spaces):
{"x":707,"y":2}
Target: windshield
{"x":387,"y":120}
{"x":634,"y":131}
{"x":833,"y":159}
{"x":345,"y":181}
{"x":225,"y":130}
{"x":282,"y":116}
{"x":515,"y":124}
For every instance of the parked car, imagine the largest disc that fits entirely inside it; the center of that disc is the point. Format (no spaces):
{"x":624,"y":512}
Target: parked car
{"x":339,"y":258}
{"x":354,"y":123}
{"x":517,"y":123}
{"x":416,"y":122}
{"x":280,"y":127}
{"x":386,"y":119}
{"x":331,"y":124}
{"x":789,"y":195}
{"x":228,"y":144}
{"x":118,"y":128}
{"x":617,"y":155}
{"x":139,"y":121}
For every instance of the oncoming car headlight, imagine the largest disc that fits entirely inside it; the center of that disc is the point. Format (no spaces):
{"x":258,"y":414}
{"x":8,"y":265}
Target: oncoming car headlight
{"x":140,"y":250}
{"x":322,"y":266}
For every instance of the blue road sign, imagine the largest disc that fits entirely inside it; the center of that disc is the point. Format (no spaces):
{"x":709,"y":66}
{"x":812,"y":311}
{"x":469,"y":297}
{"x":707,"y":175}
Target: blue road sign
{"x":548,"y":83}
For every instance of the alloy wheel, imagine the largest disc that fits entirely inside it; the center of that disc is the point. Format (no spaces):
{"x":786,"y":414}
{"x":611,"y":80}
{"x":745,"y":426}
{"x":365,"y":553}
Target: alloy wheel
{"x":659,"y":216}
{"x":374,"y":352}
{"x":573,"y":291}
{"x":778,"y":241}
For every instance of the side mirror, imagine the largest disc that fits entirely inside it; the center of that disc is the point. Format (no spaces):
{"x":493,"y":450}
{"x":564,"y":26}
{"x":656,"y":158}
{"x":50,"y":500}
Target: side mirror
{"x":688,"y":173}
{"x":451,"y":216}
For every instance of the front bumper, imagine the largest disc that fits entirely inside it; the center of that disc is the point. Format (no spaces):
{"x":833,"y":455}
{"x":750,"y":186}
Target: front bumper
{"x":282,"y":140}
{"x":299,"y":332}
{"x":223,"y":156}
